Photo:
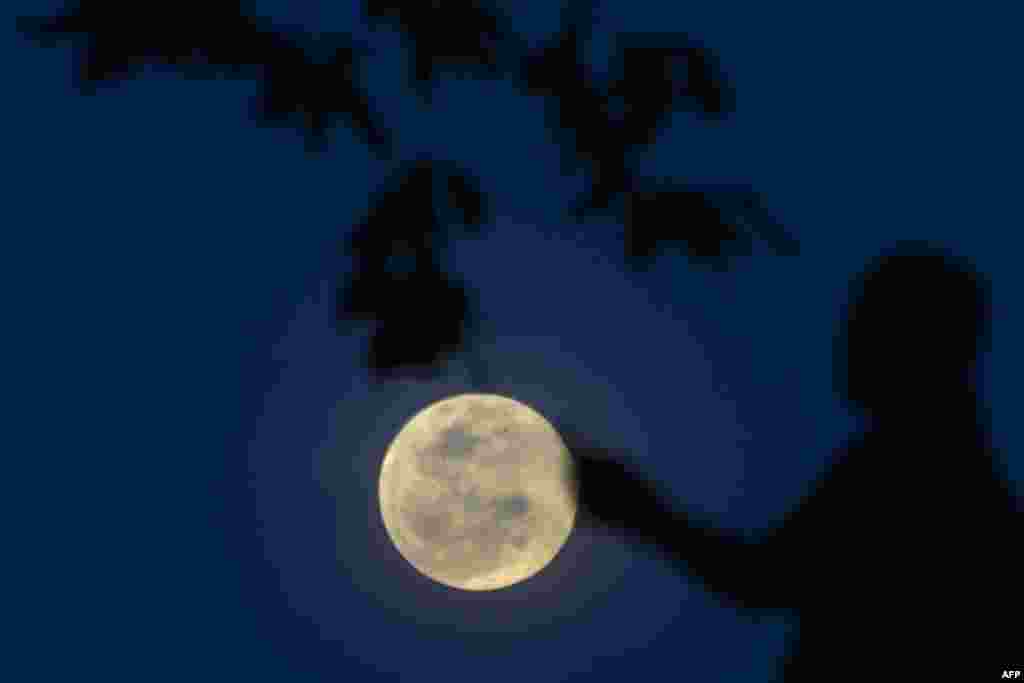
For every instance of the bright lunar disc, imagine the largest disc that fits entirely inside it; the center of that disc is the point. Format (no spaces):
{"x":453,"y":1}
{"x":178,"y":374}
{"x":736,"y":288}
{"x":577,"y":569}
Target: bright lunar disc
{"x":476,"y":492}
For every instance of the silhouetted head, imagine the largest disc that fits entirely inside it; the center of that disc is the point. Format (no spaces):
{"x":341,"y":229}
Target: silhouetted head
{"x":916,"y":322}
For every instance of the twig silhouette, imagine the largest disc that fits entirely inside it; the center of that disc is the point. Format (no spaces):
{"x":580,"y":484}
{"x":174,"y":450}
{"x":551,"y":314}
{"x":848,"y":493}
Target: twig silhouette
{"x":462,"y":37}
{"x":602,"y":126}
{"x":421,"y":313}
{"x":211,"y":39}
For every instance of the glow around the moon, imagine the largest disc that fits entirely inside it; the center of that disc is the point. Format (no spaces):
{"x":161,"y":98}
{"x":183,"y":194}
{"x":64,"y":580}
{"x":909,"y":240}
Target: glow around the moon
{"x":476,"y":492}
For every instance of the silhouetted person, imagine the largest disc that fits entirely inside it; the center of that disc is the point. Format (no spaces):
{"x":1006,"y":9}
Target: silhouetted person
{"x":903,"y":557}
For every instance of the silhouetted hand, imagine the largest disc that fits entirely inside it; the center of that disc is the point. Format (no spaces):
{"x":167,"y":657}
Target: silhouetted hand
{"x":609,"y":493}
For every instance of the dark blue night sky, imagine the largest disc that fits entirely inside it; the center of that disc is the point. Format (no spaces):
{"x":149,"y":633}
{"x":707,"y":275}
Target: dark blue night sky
{"x":206,"y":441}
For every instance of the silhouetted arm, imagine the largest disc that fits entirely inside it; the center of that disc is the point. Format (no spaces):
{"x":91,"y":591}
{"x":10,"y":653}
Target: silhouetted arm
{"x":740,"y":570}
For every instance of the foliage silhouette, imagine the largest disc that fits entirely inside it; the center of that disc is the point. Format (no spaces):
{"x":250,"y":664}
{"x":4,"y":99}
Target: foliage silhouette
{"x":900,"y":555}
{"x":463,"y":37}
{"x":715,"y":225}
{"x":602,"y":126}
{"x":209,"y":39}
{"x":653,"y":77}
{"x":657,"y":73}
{"x":398,"y":275}
{"x":606,"y":126}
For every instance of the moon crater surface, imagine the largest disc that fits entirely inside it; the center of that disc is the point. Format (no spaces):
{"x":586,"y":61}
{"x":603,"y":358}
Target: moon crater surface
{"x":476,"y":492}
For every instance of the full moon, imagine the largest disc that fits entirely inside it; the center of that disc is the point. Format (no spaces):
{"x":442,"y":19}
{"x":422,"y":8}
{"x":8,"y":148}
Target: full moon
{"x":476,"y":492}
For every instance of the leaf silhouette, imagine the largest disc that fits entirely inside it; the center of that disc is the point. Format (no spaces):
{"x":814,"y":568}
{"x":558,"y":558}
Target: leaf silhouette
{"x":656,"y":74}
{"x":117,"y":41}
{"x":420,"y":313}
{"x":446,"y":36}
{"x":712,"y":225}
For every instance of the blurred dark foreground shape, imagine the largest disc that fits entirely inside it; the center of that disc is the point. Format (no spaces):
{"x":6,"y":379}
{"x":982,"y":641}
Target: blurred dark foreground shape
{"x":418,"y":312}
{"x":402,"y":287}
{"x":904,"y":556}
{"x":215,"y":39}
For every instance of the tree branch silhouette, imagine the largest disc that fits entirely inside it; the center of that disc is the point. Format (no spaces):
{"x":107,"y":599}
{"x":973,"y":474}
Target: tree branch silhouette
{"x":210,"y":39}
{"x":397,"y":253}
{"x":603,"y":126}
{"x":462,"y":37}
